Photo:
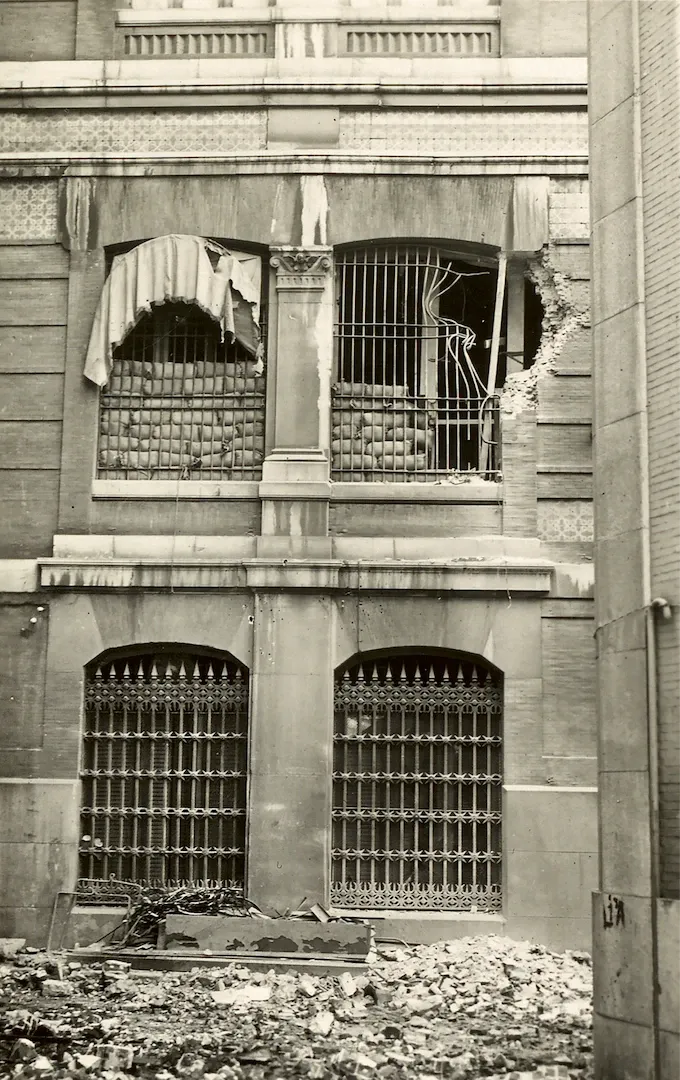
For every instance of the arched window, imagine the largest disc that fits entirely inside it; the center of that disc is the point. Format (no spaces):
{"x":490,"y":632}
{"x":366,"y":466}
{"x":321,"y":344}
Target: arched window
{"x":417,"y":772}
{"x":164,"y":769}
{"x":177,"y":347}
{"x":415,"y":390}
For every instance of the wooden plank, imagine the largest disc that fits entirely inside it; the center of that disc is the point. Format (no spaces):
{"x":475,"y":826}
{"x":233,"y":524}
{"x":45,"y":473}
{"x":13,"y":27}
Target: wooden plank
{"x":215,"y":518}
{"x":31,"y":397}
{"x":33,"y":303}
{"x":400,"y":519}
{"x":564,"y":445}
{"x":34,"y":261}
{"x":29,"y":444}
{"x":565,"y":486}
{"x":29,"y":512}
{"x":29,"y":349}
{"x":37,"y":29}
{"x":569,"y":397}
{"x":568,"y":687}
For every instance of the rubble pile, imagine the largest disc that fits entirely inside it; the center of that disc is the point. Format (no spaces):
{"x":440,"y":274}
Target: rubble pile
{"x":459,"y":1010}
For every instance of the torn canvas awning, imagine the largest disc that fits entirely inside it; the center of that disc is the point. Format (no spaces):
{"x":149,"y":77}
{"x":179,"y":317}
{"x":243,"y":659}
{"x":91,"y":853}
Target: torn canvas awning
{"x":167,"y":269}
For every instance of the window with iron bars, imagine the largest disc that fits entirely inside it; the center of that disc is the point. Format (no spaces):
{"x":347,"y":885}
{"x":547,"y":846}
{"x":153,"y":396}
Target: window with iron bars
{"x":164,"y":771}
{"x":181,"y":404}
{"x":412,"y":400}
{"x":417,"y":774}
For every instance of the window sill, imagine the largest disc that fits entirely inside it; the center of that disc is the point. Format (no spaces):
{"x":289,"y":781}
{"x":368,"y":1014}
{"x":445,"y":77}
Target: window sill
{"x":478,"y":491}
{"x":175,"y":489}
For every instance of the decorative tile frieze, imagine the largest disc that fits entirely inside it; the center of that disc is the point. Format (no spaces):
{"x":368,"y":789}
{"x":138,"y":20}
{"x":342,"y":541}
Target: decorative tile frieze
{"x":132,"y":131}
{"x":562,"y":520}
{"x":501,"y":133}
{"x":28,"y":210}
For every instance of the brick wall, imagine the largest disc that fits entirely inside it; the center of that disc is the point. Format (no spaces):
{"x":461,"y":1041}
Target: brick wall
{"x":660,"y":116}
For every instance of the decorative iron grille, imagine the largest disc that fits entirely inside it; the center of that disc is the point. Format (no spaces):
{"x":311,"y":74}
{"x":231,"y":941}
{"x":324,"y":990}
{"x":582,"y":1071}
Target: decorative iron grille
{"x":164,"y":772}
{"x":180,"y":404}
{"x":411,"y":400}
{"x":417,"y":786}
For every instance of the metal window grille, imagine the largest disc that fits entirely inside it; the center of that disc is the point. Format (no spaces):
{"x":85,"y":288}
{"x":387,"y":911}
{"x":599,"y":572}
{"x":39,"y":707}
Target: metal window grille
{"x":411,"y":401}
{"x":417,"y":786}
{"x":180,"y":404}
{"x":164,"y":771}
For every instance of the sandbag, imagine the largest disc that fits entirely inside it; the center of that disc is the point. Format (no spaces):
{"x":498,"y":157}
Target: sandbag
{"x":247,"y":457}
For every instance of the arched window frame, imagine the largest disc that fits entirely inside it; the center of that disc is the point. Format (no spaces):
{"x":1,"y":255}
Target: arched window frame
{"x":184,"y":399}
{"x":417,"y":783}
{"x":164,"y":771}
{"x":414,"y":396}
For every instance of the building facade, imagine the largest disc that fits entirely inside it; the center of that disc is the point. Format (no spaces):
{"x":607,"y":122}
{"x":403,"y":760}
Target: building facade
{"x":635,"y":141}
{"x":295,"y":442}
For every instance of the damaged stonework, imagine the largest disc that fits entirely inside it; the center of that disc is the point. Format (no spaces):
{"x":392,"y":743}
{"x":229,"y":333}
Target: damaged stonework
{"x":564,"y":315}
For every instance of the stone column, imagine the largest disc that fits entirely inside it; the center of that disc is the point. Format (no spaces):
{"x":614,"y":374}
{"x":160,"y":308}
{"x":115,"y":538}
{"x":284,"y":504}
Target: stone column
{"x":295,"y":485}
{"x":290,"y":751}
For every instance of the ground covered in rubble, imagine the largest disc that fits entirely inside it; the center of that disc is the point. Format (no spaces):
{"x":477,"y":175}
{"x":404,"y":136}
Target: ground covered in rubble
{"x":474,"y":1007}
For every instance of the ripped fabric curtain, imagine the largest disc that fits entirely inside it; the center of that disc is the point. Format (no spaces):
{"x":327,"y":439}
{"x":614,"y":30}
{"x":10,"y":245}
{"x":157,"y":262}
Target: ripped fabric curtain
{"x":175,"y":268}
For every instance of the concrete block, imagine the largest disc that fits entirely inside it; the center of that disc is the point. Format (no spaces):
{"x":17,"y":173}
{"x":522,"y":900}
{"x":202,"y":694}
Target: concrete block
{"x":39,"y":813}
{"x":611,"y":60}
{"x":550,"y":820}
{"x":622,"y":710}
{"x":523,"y":731}
{"x":623,"y":1051}
{"x":34,"y":873}
{"x":622,"y":942}
{"x":220,"y":933}
{"x":545,"y":883}
{"x":556,"y":933}
{"x":618,"y":572}
{"x":29,"y":923}
{"x":288,"y":828}
{"x":669,"y":1055}
{"x":618,"y":492}
{"x":303,"y":127}
{"x":624,"y":831}
{"x":568,"y":771}
{"x":611,"y":157}
{"x":668,"y":931}
{"x":291,"y":725}
{"x":616,"y":283}
{"x":618,"y":378}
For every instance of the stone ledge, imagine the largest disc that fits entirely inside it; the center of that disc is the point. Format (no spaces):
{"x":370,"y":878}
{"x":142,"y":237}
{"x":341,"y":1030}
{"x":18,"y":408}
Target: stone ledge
{"x":504,"y":576}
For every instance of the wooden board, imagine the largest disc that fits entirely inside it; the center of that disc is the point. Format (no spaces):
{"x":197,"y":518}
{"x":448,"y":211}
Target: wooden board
{"x":31,"y":397}
{"x":33,"y":260}
{"x":33,"y":303}
{"x":26,"y":444}
{"x":37,"y":29}
{"x":29,"y":512}
{"x":31,"y":349}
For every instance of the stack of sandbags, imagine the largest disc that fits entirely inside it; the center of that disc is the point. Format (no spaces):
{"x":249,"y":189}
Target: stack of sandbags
{"x":215,"y":420}
{"x":376,"y":429}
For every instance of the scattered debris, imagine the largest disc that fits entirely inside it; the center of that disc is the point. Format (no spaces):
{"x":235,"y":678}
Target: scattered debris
{"x":458,"y":1010}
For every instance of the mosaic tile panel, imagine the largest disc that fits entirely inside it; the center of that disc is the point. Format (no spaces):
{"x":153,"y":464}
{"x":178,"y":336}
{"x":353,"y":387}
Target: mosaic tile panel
{"x":497,"y":133}
{"x":562,"y":520}
{"x":133,"y":131}
{"x":28,"y":210}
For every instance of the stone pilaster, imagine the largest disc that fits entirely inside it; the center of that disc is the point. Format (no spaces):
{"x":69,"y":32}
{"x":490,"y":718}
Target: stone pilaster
{"x":295,"y":485}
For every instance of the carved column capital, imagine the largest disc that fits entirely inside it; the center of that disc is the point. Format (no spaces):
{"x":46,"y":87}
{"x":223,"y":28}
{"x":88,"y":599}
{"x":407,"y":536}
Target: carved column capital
{"x":301,"y":268}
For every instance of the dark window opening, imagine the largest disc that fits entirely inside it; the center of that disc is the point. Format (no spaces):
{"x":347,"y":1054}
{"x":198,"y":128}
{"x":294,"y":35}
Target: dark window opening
{"x":534,"y":313}
{"x":413,"y":346}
